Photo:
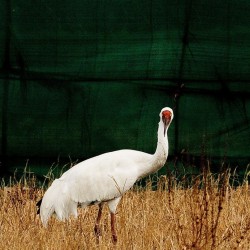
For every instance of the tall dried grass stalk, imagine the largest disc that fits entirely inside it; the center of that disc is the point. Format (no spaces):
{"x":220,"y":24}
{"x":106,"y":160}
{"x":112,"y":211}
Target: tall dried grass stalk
{"x":208,"y":213}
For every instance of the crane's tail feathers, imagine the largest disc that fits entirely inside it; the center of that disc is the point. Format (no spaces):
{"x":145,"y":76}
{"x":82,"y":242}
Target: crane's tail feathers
{"x":57,"y":200}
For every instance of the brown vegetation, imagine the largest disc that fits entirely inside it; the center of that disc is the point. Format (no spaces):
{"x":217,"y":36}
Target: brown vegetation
{"x":207,"y":214}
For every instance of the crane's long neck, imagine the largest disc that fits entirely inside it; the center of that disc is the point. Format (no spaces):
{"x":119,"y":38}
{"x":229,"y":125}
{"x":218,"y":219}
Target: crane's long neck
{"x":158,"y":159}
{"x":161,"y":153}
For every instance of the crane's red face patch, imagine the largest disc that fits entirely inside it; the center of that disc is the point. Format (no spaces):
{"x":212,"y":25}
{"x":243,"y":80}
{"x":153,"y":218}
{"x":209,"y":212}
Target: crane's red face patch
{"x":166,"y":118}
{"x":167,"y":115}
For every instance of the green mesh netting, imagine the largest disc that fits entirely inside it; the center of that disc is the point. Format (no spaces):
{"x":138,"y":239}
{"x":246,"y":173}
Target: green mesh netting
{"x":79,"y":78}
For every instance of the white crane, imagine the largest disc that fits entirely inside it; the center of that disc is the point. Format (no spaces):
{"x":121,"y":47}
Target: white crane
{"x":103,"y":179}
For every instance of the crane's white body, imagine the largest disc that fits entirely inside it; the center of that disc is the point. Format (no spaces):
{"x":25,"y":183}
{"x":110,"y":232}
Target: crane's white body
{"x":103,"y":178}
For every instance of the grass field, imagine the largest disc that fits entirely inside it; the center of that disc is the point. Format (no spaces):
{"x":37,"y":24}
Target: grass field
{"x":206,"y":213}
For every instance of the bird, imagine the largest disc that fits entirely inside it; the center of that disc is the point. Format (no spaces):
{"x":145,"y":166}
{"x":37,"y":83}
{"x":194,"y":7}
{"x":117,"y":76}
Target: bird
{"x":103,"y":179}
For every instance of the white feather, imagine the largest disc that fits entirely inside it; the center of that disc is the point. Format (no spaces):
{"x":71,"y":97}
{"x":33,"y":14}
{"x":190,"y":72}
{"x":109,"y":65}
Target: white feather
{"x":103,"y":178}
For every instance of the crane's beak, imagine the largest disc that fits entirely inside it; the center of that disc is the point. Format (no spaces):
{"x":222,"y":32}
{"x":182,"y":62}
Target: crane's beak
{"x":166,"y":118}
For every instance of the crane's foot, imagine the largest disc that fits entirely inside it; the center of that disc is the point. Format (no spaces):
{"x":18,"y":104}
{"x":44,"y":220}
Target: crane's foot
{"x":97,"y":230}
{"x":98,"y":233}
{"x":114,"y":238}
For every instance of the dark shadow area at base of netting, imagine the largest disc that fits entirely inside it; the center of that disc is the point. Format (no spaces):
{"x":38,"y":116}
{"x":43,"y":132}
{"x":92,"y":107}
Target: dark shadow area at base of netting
{"x":42,"y":171}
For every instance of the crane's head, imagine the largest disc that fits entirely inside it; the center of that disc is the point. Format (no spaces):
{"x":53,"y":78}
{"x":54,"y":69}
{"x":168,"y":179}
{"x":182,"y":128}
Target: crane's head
{"x":166,"y":116}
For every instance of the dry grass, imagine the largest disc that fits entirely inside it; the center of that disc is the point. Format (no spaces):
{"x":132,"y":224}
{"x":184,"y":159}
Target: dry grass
{"x":208,"y":214}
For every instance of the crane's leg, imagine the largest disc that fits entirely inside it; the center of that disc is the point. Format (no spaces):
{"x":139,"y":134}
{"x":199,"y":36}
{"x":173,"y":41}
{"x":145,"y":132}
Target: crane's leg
{"x":114,"y":236}
{"x":97,"y":223}
{"x":112,"y":207}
